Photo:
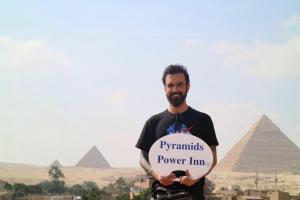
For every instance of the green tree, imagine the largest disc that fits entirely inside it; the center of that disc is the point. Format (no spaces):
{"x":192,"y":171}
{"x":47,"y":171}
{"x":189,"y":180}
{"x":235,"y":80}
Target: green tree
{"x":45,"y":185}
{"x":110,"y":188}
{"x":56,"y":186}
{"x":55,"y":173}
{"x":91,"y":191}
{"x":7,"y":186}
{"x":145,"y":194}
{"x":94,"y":194}
{"x":34,"y":189}
{"x":20,"y":190}
{"x":77,"y":190}
{"x":123,"y":196}
{"x":120,"y":188}
{"x":89,"y":185}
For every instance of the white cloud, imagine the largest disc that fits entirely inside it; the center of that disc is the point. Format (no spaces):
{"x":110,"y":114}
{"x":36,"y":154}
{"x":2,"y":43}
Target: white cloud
{"x":291,"y":21}
{"x":28,"y":56}
{"x":234,"y":54}
{"x":266,"y":60}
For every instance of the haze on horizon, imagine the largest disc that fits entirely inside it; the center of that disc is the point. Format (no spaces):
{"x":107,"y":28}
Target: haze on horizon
{"x":77,"y":74}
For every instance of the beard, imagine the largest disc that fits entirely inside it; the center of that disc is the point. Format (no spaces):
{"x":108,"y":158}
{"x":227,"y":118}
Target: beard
{"x":176,"y":98}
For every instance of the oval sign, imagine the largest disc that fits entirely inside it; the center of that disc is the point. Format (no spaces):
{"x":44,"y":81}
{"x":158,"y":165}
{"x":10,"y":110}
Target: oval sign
{"x":181,"y":152}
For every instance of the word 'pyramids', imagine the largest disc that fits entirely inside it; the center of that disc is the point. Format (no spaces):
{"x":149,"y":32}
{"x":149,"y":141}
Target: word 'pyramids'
{"x":264,"y":148}
{"x":93,"y":159}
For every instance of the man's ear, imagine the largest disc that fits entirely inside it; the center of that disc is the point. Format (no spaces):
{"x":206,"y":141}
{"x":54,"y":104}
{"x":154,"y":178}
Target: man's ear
{"x":165,"y":88}
{"x":188,"y":87}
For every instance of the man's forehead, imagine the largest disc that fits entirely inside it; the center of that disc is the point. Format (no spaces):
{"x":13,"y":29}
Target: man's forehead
{"x":178,"y":77}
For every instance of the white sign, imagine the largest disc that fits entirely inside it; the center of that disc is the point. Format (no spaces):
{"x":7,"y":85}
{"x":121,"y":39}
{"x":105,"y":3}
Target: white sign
{"x":181,"y":151}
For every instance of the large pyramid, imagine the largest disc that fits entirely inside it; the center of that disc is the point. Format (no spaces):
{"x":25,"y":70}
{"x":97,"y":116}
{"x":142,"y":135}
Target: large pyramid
{"x":265,"y":149}
{"x":93,"y":159}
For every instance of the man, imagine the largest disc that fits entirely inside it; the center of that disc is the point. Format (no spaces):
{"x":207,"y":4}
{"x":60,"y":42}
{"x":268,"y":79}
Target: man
{"x":178,"y":118}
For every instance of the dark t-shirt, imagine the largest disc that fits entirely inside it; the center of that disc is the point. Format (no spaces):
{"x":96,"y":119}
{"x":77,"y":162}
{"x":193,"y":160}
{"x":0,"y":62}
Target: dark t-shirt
{"x":191,"y":121}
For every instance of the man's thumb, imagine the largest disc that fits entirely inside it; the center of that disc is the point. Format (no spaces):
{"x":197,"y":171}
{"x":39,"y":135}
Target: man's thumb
{"x":187,"y":173}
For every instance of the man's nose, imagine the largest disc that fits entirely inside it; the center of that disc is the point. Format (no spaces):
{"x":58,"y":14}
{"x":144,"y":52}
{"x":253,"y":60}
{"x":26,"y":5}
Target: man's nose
{"x":175,"y":88}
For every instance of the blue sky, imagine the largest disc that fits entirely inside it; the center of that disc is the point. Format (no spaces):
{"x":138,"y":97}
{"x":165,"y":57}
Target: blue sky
{"x":76,"y":74}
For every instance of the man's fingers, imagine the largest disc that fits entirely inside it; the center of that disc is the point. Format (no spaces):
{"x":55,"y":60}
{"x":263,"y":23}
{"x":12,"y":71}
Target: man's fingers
{"x":186,"y":180}
{"x":182,"y":179}
{"x":187,"y":173}
{"x":166,"y":182}
{"x":171,"y":176}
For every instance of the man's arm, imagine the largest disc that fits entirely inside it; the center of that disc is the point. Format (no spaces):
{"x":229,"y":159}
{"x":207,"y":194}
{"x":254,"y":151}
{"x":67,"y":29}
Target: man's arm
{"x":144,"y":162}
{"x":215,"y":158}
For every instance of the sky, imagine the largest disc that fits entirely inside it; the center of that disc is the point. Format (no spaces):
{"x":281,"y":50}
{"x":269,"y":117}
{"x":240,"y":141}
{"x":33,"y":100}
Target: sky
{"x":75,"y":74}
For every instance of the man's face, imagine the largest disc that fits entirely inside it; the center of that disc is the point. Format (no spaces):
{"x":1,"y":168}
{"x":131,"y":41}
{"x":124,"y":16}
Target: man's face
{"x":176,"y":88}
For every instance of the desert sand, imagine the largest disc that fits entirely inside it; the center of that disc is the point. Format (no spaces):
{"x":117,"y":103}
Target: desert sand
{"x":30,"y":174}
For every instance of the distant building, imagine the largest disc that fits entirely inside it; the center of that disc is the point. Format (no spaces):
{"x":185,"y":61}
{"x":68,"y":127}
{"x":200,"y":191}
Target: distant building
{"x":251,"y":195}
{"x":278,"y":195}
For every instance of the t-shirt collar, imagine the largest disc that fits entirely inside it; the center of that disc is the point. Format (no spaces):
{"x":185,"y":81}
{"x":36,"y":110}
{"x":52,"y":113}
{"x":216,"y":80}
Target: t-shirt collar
{"x":182,"y":113}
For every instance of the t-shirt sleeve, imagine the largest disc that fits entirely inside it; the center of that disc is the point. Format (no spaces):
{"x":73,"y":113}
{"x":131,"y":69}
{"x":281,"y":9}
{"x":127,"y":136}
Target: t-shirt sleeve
{"x":211,"y":135}
{"x":146,"y":138}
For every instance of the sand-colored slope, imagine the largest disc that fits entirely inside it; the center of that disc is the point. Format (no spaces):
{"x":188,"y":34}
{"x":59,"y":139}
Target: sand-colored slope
{"x":30,"y":174}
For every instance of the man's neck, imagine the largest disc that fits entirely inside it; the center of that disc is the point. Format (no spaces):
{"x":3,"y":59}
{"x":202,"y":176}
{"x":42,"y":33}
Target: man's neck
{"x":179,"y":109}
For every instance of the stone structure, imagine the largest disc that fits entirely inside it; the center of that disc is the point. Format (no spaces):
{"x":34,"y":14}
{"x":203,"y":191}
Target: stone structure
{"x":265,"y":149}
{"x":56,"y":163}
{"x":93,"y":159}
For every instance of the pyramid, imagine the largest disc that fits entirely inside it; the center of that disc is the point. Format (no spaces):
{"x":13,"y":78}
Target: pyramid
{"x":264,"y":148}
{"x":93,"y":159}
{"x":56,"y":163}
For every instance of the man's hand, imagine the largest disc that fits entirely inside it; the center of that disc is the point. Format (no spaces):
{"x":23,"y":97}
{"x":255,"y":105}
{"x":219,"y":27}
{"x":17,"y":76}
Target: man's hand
{"x":187,"y":179}
{"x":166,"y":180}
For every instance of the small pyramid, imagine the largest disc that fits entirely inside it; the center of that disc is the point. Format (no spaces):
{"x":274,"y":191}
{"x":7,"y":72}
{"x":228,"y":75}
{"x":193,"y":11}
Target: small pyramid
{"x":264,"y":148}
{"x":93,"y":159}
{"x":56,"y":163}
